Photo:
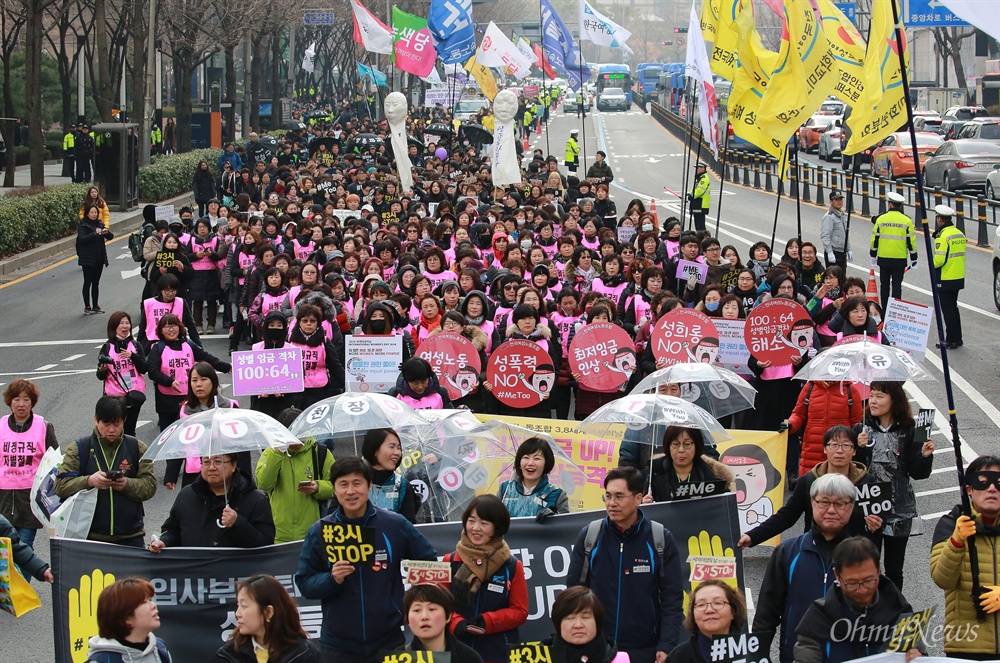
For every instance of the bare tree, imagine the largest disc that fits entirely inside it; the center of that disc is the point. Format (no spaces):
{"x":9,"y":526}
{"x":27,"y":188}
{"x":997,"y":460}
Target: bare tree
{"x":11,"y":28}
{"x":69,"y":28}
{"x":34,"y":18}
{"x":949,"y":44}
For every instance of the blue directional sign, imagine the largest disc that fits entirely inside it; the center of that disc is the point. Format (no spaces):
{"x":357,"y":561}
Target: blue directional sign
{"x":930,"y":14}
{"x":318,"y":18}
{"x":850,"y":10}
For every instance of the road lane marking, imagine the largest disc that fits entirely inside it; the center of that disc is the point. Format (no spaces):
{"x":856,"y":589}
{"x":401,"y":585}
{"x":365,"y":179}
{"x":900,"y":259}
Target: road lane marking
{"x":74,"y":357}
{"x":36,"y":344}
{"x":936,"y":491}
{"x":46,"y":367}
{"x":974,"y":394}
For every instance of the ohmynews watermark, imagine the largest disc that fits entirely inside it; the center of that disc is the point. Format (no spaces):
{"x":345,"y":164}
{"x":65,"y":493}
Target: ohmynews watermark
{"x":905,"y":634}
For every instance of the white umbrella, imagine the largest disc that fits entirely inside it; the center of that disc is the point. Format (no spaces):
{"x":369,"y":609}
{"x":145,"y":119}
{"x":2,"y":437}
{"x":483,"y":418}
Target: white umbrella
{"x":718,"y":390}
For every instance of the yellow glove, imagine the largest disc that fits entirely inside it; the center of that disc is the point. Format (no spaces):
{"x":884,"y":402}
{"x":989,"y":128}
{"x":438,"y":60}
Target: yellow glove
{"x":83,"y":612}
{"x":989,"y":600}
{"x":965,"y":527}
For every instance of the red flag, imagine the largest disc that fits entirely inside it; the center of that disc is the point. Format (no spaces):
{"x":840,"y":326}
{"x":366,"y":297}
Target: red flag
{"x":546,"y":67}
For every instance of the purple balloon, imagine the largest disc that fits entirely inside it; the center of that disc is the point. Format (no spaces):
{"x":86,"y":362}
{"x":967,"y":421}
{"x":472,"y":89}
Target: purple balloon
{"x":441,"y":153}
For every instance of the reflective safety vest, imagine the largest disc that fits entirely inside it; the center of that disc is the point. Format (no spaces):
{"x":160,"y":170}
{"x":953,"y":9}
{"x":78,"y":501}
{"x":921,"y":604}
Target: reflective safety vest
{"x":893,"y":236}
{"x":156,"y":136}
{"x":572,"y":150}
{"x":949,"y":257}
{"x":702,"y":192}
{"x":68,"y":141}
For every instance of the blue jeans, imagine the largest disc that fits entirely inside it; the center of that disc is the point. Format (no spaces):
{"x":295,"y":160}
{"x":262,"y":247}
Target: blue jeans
{"x":27,"y":536}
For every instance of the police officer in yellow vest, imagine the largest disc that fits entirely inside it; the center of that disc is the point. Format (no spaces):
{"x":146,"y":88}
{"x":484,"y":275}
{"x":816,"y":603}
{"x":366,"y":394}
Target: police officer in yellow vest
{"x":579,"y":102}
{"x":69,"y":140}
{"x":949,"y":260}
{"x":572,"y":158}
{"x":700,"y":195}
{"x":156,"y":139}
{"x":893,"y":240}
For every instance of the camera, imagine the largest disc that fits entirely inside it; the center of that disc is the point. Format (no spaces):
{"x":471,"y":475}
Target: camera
{"x":105,"y":359}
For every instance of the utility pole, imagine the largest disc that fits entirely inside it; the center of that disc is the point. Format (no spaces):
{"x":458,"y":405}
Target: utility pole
{"x":145,"y":137}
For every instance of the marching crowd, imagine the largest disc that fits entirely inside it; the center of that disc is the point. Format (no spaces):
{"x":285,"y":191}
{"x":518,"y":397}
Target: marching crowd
{"x":302,"y":253}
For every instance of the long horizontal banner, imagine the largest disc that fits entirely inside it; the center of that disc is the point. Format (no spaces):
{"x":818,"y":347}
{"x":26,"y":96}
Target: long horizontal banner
{"x":196,"y":588}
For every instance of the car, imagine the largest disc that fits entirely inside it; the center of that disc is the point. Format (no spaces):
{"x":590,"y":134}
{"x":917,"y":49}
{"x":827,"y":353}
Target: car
{"x":996,"y":268}
{"x":831,"y":107}
{"x":957,"y":116}
{"x":985,"y":128}
{"x":828,"y":148}
{"x":466,"y":109}
{"x":962,"y":164}
{"x":993,"y":183}
{"x":612,"y":98}
{"x":893,"y":157}
{"x":810,"y":132}
{"x":570,"y":105}
{"x":928,"y":123}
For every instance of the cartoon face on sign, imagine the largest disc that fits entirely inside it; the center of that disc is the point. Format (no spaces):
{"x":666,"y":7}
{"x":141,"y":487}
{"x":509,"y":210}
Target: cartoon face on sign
{"x":454,"y":360}
{"x":800,"y":336}
{"x":755,"y":476}
{"x":705,"y":351}
{"x":602,"y":357}
{"x":777,"y":331}
{"x":541,"y":381}
{"x":464,"y":381}
{"x":624,"y":362}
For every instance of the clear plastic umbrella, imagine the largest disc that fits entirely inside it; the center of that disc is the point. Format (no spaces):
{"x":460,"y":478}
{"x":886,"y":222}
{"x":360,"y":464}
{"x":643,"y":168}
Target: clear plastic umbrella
{"x":342,"y":421}
{"x":863,"y":361}
{"x":718,"y":390}
{"x":640,"y":411}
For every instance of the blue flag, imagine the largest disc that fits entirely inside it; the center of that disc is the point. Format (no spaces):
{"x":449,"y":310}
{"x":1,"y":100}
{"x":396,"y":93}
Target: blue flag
{"x":450,"y":24}
{"x":371,"y":72}
{"x":560,"y":49}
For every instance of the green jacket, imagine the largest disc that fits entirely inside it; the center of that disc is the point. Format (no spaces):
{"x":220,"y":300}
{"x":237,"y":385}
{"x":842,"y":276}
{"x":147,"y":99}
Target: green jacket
{"x":702,"y":192}
{"x":949,"y":257}
{"x":278,"y":475}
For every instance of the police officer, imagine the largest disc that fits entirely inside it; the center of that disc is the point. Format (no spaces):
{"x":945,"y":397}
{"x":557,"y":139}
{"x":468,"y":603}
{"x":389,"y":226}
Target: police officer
{"x":949,"y":260}
{"x":69,"y":140}
{"x":572,"y":157}
{"x":579,"y":102}
{"x":893,"y":239}
{"x":156,"y":139}
{"x":83,"y":153}
{"x":700,"y":195}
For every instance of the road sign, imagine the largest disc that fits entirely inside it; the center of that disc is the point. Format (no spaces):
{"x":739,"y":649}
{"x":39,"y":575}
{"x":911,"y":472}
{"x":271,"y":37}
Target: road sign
{"x":850,"y":10}
{"x":930,"y":14}
{"x":318,"y":18}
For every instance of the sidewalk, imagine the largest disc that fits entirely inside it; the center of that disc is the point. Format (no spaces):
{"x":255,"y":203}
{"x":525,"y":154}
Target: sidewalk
{"x":22,"y":177}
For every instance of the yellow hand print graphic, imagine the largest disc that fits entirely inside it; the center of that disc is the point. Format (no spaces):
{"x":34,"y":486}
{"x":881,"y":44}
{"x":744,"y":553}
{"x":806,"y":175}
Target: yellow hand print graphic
{"x":83,"y":612}
{"x":707,"y":558}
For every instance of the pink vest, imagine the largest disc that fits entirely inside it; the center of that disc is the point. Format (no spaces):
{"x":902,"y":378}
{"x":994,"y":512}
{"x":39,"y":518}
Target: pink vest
{"x":154,"y":309}
{"x":271,"y":303}
{"x":550,"y":250}
{"x":176,"y":364}
{"x":246,"y":262}
{"x":437,"y":279}
{"x":877,"y":336}
{"x":779,"y":372}
{"x":591,"y":243}
{"x":313,"y":365}
{"x":500,"y":313}
{"x":614,"y":294}
{"x":303,"y":252}
{"x":824,"y":328}
{"x":293,"y":292}
{"x":641,"y":307}
{"x":205,"y":264}
{"x":126,"y":369}
{"x":20,"y":453}
{"x":488,"y":328}
{"x":564,"y":323}
{"x":431,"y":401}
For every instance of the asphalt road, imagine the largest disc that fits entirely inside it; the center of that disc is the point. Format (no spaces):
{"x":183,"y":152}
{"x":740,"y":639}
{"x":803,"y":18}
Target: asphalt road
{"x":44,"y":336}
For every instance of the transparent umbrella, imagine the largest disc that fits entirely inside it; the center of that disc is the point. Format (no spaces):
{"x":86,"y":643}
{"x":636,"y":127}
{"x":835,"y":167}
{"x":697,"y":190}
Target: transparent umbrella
{"x":342,"y":421}
{"x":863,"y":361}
{"x":639,"y":411}
{"x":718,"y":390}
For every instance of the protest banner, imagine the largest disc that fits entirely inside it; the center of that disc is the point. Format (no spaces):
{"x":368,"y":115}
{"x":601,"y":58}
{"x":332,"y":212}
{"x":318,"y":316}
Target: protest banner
{"x":195,"y":588}
{"x":687,"y":268}
{"x":907,"y":325}
{"x":419,"y":572}
{"x":757,"y":461}
{"x":695,"y":489}
{"x":685,"y":335}
{"x":625,"y":234}
{"x":778,"y":330}
{"x":534,"y":652}
{"x":910,"y":631}
{"x":163,"y":212}
{"x":739,"y":648}
{"x":733,"y":351}
{"x":417,"y":656}
{"x":455,"y":361}
{"x":603,"y":355}
{"x":348,"y":543}
{"x":730,"y":279}
{"x":372,"y":361}
{"x":874,"y":499}
{"x":277,"y":371}
{"x":521,"y":373}
{"x":165,"y":259}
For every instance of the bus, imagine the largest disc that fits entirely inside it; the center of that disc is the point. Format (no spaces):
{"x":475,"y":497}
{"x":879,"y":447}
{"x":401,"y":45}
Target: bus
{"x":647,"y":75}
{"x":671,"y":86}
{"x":615,"y":75}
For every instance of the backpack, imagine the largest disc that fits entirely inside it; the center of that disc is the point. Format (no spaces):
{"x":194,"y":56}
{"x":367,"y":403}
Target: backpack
{"x":594,"y":530}
{"x":135,"y":242}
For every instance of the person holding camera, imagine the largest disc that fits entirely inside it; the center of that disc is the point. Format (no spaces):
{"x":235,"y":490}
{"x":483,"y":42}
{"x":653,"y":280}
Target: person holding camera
{"x":92,"y":255}
{"x":120,"y":366}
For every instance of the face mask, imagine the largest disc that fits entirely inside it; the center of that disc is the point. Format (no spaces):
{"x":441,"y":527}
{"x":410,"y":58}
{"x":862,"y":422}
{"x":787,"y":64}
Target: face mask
{"x":526,"y":244}
{"x":646,"y":227}
{"x":421,"y":213}
{"x":491,"y":218}
{"x":425,"y":236}
{"x":520,"y":222}
{"x":711,"y":306}
{"x":877,"y":320}
{"x":378,"y":326}
{"x":274,"y":334}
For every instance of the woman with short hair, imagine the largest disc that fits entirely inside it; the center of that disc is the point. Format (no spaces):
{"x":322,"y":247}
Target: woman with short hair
{"x":126,"y":619}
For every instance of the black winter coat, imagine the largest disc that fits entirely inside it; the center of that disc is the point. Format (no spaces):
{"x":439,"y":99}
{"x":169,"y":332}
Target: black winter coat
{"x":91,"y":249}
{"x":192,"y":520}
{"x":302,"y":652}
{"x":203,"y":186}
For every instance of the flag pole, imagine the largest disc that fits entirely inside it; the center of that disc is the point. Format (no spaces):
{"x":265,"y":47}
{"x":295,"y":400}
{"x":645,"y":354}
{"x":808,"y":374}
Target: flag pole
{"x":583,"y":111}
{"x":687,"y":158}
{"x":722,"y":183}
{"x":798,"y":199}
{"x":541,"y":49}
{"x":850,"y":208}
{"x":777,"y":206}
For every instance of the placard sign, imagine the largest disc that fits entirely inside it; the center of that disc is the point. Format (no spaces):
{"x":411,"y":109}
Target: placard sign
{"x":372,"y":361}
{"x":417,"y":656}
{"x":740,"y":648}
{"x":685,"y":335}
{"x":277,"y":371}
{"x":907,"y":326}
{"x":874,"y":499}
{"x":730,"y":279}
{"x":625,"y":234}
{"x":688,"y":268}
{"x":419,"y":572}
{"x":163,"y":212}
{"x":165,"y":259}
{"x":532,"y":652}
{"x":348,"y":543}
{"x":910,"y":630}
{"x":778,"y":330}
{"x":521,"y":373}
{"x":689,"y":490}
{"x":603,"y":355}
{"x":708,"y":568}
{"x":733,"y":351}
{"x":455,"y":361}
{"x":922,"y":427}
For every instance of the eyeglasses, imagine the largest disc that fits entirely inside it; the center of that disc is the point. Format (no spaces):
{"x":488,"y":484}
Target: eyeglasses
{"x":713,"y":248}
{"x":171,"y":325}
{"x":702,"y":606}
{"x":609,"y":498}
{"x":839,"y":505}
{"x":677,"y":446}
{"x":510,"y":286}
{"x":840,"y":447}
{"x":854,"y":585}
{"x":214,"y":462}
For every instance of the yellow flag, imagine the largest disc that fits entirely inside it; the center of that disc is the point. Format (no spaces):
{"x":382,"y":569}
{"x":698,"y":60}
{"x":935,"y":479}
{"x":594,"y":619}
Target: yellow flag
{"x":882,"y":107}
{"x":848,"y":50}
{"x":723,"y":56}
{"x":805,"y":75}
{"x":709,"y":19}
{"x":753,"y":73}
{"x":483,"y":76}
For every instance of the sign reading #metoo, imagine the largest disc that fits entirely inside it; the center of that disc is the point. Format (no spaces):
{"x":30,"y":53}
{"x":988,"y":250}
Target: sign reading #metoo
{"x":778,"y":330}
{"x":521,"y":373}
{"x":455,"y":361}
{"x":603,"y":356}
{"x":685,"y":335}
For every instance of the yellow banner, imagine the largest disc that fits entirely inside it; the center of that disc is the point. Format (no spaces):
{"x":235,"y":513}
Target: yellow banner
{"x":483,"y":76}
{"x":882,"y":108}
{"x":848,"y":51}
{"x":709,"y":19}
{"x":750,"y":83}
{"x":722,"y":60}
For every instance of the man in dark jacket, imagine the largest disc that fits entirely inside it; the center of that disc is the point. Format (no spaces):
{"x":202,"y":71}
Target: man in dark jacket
{"x":805,"y":564}
{"x":25,"y":558}
{"x":642,"y":597}
{"x":600,"y":171}
{"x":221,"y":508}
{"x":361,"y":614}
{"x":857,"y":617}
{"x":83,"y":153}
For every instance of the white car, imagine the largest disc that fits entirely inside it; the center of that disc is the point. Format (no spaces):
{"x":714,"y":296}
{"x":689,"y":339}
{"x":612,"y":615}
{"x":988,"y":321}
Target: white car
{"x":467,"y":108}
{"x":993,"y":184}
{"x":829,"y":143}
{"x":612,"y":98}
{"x":996,"y":268}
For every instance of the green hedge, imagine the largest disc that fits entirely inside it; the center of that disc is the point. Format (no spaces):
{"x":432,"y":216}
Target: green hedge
{"x":22,"y":155}
{"x":170,"y":175}
{"x":29,"y":217}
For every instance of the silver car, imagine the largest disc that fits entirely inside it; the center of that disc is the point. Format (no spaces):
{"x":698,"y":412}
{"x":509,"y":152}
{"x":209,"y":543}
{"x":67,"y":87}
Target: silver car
{"x":961,"y":164}
{"x":612,"y":98}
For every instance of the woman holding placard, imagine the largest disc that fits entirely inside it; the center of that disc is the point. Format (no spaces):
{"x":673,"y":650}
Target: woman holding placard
{"x":488,"y":583}
{"x":538,"y":379}
{"x":684,"y":462}
{"x":715,"y":608}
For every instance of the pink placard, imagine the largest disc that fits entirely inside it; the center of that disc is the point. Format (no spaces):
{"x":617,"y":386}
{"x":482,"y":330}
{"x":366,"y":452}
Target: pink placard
{"x":277,"y":371}
{"x":602,"y":353}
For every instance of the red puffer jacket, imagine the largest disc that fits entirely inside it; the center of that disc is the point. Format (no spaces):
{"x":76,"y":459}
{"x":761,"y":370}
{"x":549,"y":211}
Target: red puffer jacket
{"x":821,"y":406}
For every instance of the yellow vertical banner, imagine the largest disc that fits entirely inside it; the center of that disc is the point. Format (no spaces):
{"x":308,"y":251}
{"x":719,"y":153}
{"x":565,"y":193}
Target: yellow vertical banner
{"x":483,"y":76}
{"x":753,"y":73}
{"x":848,"y":51}
{"x":722,"y":59}
{"x":709,"y":19}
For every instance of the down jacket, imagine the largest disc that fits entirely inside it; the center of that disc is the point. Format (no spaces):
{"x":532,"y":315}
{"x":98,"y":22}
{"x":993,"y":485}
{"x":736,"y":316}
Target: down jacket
{"x":821,"y":406}
{"x":952,"y":572}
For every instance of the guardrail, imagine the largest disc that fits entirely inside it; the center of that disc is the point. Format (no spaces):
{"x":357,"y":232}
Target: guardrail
{"x":813,"y":184}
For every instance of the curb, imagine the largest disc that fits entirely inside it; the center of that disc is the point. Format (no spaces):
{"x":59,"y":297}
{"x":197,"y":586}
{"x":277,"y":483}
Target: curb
{"x":131,"y":221}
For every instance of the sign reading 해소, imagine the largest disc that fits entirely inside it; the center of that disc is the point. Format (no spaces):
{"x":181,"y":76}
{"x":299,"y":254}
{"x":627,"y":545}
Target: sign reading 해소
{"x":778,"y":330}
{"x":455,"y":361}
{"x":685,"y":335}
{"x":602,"y":354}
{"x":521,"y":373}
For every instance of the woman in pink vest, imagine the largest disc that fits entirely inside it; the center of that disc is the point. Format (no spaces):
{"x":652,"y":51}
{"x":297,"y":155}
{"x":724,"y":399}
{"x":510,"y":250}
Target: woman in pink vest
{"x":122,"y":376}
{"x":419,"y":388}
{"x":24,"y":438}
{"x":430,"y":318}
{"x":204,"y":286}
{"x":169,"y":361}
{"x":476,"y":309}
{"x":611,"y":283}
{"x":270,"y":299}
{"x":154,"y":308}
{"x":322,"y":363}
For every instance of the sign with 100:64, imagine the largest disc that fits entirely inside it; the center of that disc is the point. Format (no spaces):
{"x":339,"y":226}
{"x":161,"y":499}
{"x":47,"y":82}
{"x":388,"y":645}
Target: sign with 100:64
{"x":277,"y":371}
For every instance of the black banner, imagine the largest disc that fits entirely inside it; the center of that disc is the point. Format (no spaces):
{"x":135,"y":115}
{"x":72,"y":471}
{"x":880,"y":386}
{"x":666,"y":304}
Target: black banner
{"x":196,"y":587}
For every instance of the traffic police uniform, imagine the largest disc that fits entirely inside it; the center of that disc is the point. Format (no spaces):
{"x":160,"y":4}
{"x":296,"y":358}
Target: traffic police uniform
{"x":572,"y":157}
{"x":893,"y":239}
{"x":700,"y":197}
{"x":949,"y":260}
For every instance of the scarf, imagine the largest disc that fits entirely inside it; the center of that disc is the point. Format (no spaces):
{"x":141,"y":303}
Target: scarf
{"x":478,"y":564}
{"x":595,"y":651}
{"x":313,"y":340}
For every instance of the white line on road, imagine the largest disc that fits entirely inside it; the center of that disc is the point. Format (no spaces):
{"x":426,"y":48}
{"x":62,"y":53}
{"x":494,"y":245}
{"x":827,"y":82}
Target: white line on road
{"x":42,"y":344}
{"x":45,"y":367}
{"x":937,"y":491}
{"x":129,"y":273}
{"x":940,"y":421}
{"x":55,"y":374}
{"x":933,"y":516}
{"x":74,"y":357}
{"x":988,"y":408}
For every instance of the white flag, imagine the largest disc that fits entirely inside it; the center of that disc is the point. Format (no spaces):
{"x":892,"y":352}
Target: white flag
{"x":309,"y":59}
{"x":598,"y":28}
{"x":370,"y":32}
{"x":697,"y":68}
{"x":976,"y":12}
{"x":498,"y":51}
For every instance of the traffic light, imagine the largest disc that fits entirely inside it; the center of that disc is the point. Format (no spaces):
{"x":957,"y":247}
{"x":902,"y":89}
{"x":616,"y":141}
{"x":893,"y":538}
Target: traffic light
{"x":680,"y":31}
